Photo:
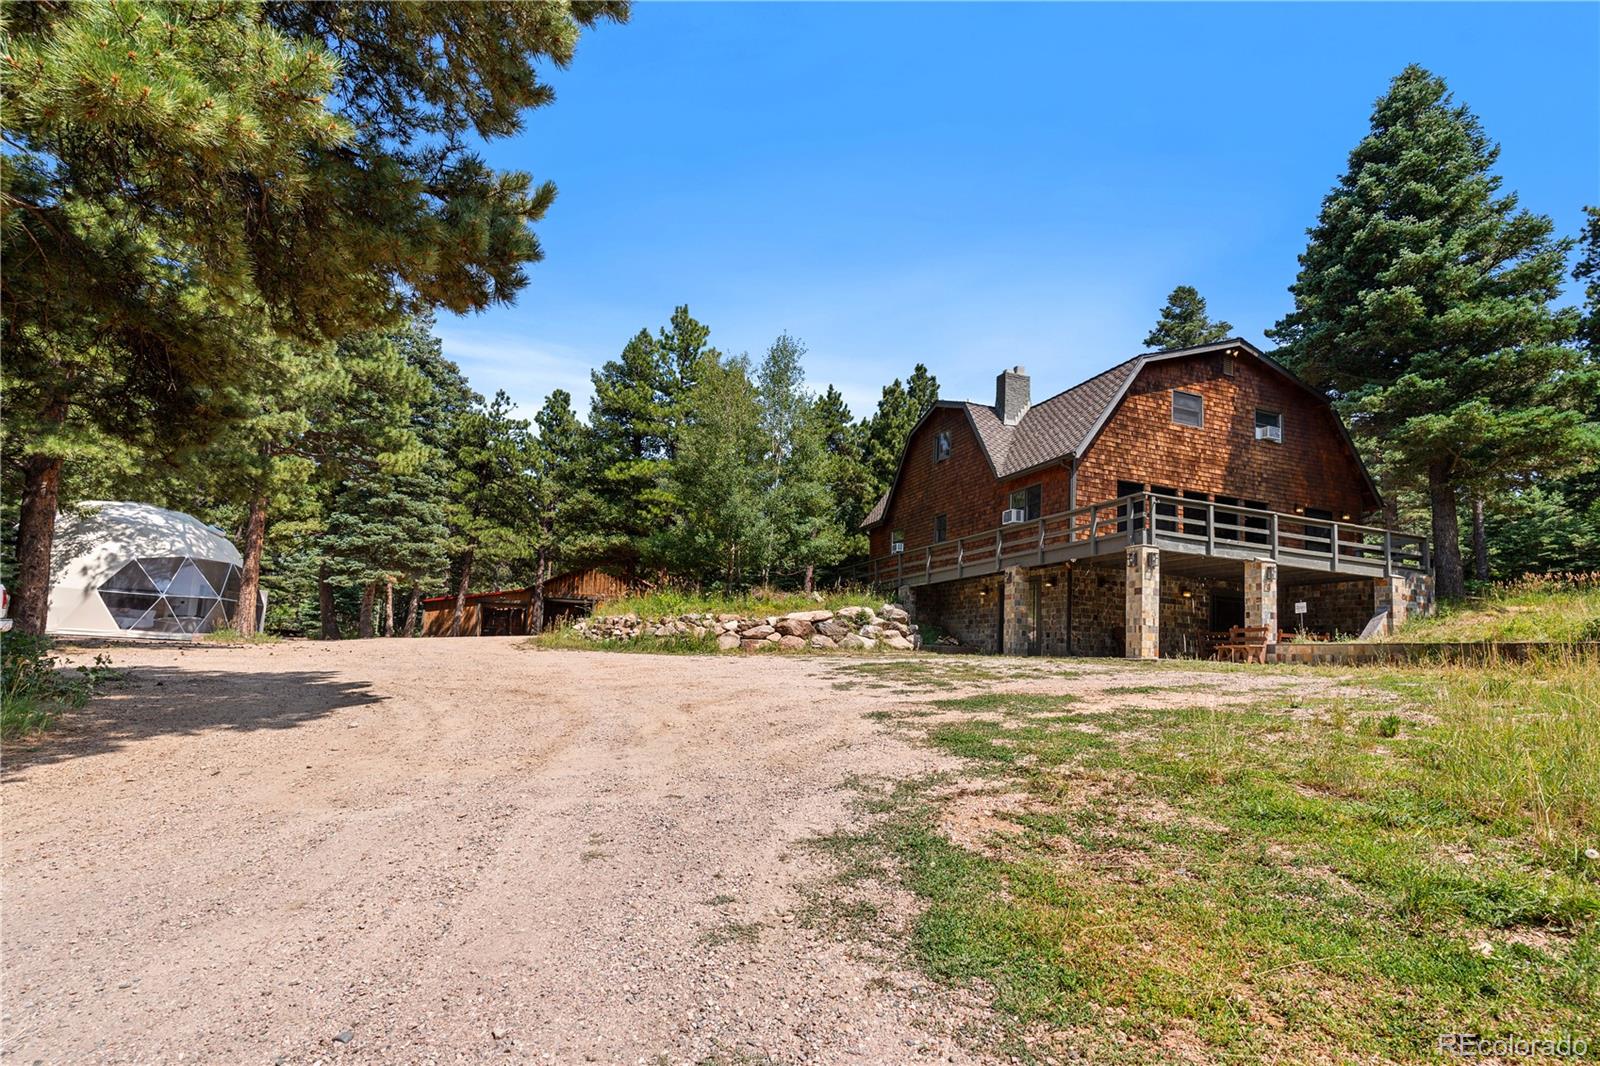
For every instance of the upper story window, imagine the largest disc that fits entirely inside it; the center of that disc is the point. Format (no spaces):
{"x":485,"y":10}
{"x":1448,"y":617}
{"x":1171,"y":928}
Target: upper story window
{"x":1030,"y":499}
{"x":897,"y":541}
{"x":1269,"y":425}
{"x":941,"y":529}
{"x":1188,"y":408}
{"x":941,"y":446}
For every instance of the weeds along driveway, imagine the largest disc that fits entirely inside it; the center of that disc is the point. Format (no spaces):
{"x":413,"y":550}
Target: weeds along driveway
{"x":416,"y":851}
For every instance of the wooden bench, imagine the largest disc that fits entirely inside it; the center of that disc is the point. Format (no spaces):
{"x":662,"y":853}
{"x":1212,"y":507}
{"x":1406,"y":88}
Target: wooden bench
{"x":1246,"y":644}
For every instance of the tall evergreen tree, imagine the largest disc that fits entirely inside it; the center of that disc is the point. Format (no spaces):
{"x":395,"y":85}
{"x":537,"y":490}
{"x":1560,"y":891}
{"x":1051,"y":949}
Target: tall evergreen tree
{"x":1183,"y":322}
{"x":900,"y":409}
{"x":850,"y":485}
{"x":1422,"y":307}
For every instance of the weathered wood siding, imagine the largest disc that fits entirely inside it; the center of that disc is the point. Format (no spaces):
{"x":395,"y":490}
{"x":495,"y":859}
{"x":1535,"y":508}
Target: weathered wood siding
{"x":1313,"y":467}
{"x":585,"y":585}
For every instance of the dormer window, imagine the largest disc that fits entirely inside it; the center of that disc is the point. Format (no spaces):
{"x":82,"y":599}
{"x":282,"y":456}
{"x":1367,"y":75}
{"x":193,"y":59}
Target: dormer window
{"x":941,"y":446}
{"x":1188,"y":408}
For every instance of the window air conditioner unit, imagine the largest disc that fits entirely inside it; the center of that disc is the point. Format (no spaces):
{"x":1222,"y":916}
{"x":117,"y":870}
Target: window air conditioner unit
{"x":1274,"y":433}
{"x":1012,"y":515}
{"x":897,"y":548}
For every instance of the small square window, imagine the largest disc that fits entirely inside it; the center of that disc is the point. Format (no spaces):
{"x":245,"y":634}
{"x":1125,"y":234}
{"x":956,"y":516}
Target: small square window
{"x":941,"y":447}
{"x":939,"y":529}
{"x":1269,"y":425}
{"x":1188,"y":408}
{"x":1029,"y":500}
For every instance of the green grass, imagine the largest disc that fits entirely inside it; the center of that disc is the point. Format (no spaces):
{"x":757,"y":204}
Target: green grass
{"x":1311,"y":877}
{"x":36,"y":688}
{"x":1562,"y":607}
{"x":756,"y":602}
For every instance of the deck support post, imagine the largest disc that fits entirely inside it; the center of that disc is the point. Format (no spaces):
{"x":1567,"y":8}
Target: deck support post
{"x":1017,"y":623}
{"x":1389,"y":595}
{"x":1261,"y":596}
{"x":1143,"y":603}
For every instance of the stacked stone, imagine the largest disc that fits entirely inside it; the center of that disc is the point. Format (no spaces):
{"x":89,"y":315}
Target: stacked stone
{"x":857,"y":628}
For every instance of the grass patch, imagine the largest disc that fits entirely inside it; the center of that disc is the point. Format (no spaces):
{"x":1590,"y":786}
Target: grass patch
{"x":35,"y":687}
{"x":731,"y":933}
{"x":756,"y":602}
{"x":1328,"y":877}
{"x":1558,"y":607}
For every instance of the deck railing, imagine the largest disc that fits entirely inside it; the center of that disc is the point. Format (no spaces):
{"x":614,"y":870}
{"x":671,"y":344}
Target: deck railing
{"x":1173,"y":523}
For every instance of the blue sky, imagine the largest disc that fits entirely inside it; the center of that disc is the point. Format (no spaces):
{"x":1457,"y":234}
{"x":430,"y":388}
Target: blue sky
{"x":975,"y":186}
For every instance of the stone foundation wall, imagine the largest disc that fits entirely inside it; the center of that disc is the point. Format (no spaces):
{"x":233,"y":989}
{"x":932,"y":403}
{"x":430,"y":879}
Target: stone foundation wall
{"x":854,"y":628}
{"x":1336,"y":608}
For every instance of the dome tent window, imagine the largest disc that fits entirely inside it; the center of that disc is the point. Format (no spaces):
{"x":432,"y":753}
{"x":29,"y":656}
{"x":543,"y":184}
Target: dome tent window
{"x":173,"y":594}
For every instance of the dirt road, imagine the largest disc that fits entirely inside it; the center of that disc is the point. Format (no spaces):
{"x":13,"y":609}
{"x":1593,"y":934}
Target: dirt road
{"x":443,"y":851}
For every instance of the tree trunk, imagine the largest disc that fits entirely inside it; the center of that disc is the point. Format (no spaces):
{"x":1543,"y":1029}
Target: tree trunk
{"x":36,"y":533}
{"x":1449,"y":582}
{"x":411,"y":611}
{"x":1480,"y":542}
{"x":536,"y":608}
{"x":461,"y":593}
{"x":811,"y":579}
{"x":330,"y":617}
{"x":388,"y":607}
{"x":255,"y":537}
{"x":369,"y":592}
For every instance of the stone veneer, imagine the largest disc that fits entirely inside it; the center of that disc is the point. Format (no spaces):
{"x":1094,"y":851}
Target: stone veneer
{"x":1083,"y":608}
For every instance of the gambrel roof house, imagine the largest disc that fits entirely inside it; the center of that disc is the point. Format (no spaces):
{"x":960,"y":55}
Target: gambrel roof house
{"x":1214,"y":453}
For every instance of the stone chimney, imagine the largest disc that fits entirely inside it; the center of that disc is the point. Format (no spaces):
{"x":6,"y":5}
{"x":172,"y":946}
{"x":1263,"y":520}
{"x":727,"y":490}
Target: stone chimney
{"x":1011,"y":395}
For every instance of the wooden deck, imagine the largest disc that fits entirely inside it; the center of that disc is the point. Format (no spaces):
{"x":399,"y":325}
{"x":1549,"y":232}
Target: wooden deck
{"x":1182,"y":526}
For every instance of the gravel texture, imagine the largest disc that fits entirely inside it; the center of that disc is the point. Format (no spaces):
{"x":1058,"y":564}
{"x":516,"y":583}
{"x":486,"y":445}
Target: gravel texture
{"x":445,"y":851}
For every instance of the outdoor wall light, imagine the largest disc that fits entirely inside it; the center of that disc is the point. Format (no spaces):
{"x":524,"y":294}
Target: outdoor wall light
{"x":1187,"y":594}
{"x":1344,"y":518}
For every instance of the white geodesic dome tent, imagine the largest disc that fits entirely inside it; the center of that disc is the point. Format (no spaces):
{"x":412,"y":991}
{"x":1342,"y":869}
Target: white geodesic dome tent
{"x":133,"y":570}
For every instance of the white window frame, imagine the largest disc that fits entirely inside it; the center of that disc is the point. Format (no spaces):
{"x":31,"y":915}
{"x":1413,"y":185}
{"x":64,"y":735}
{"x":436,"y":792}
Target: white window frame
{"x":1201,"y":400}
{"x":1278,"y":415}
{"x":897,"y":537}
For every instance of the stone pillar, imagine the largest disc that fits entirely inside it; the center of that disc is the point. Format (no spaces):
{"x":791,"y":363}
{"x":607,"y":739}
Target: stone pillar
{"x":1389,"y":594}
{"x":1261,"y":596}
{"x":1018,"y":608}
{"x":1143,"y":591}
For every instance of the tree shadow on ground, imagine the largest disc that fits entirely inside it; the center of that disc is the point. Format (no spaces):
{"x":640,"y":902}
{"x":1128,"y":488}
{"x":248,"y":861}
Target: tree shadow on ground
{"x":154,"y":701}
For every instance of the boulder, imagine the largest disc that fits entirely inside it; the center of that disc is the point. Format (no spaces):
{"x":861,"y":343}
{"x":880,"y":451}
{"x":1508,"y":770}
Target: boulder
{"x":748,"y":644}
{"x":758,"y":632}
{"x":833,"y":628}
{"x":773,"y":638}
{"x":860,"y":615}
{"x":790,"y":643}
{"x":872,"y":631}
{"x":894,"y":614}
{"x":790,"y":626}
{"x":808,"y":616}
{"x":897,"y":642}
{"x":856,"y":641}
{"x":727,"y":642}
{"x":822,"y":642}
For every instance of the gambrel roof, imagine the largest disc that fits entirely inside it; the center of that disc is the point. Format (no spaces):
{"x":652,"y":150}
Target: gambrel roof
{"x":1064,"y":426}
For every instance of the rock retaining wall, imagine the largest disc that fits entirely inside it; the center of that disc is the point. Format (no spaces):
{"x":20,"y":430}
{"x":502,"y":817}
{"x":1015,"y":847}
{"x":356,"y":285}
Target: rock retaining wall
{"x":855,"y":628}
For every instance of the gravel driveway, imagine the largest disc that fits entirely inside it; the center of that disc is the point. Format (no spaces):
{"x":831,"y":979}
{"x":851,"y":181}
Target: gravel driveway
{"x":442,"y":851}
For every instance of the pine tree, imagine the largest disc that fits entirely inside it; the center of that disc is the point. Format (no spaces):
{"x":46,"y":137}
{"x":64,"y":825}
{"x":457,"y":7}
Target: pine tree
{"x":1183,"y":322}
{"x":900,"y":409}
{"x":850,"y":485}
{"x":166,"y":205}
{"x":1422,"y":307}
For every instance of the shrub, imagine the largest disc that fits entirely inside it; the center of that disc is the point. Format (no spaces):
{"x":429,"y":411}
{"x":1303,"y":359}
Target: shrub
{"x":35,"y":687}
